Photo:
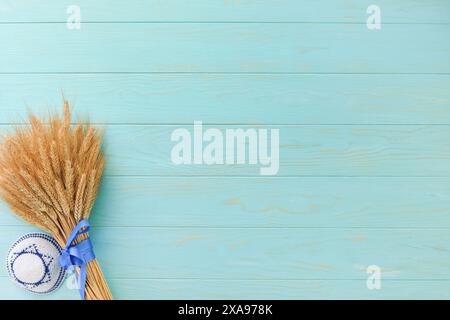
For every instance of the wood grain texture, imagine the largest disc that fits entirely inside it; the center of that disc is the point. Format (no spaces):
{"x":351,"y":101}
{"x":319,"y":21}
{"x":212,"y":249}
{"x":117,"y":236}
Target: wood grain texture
{"x":265,"y":253}
{"x":347,"y":11}
{"x":268,"y":202}
{"x":162,"y":47}
{"x":183,"y":289}
{"x":281,"y":289}
{"x":232,"y":98}
{"x":305,"y":150}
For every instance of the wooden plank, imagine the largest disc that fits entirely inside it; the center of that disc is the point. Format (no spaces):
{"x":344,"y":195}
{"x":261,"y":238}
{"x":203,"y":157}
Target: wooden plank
{"x":267,"y":202}
{"x":304,"y":150}
{"x":354,"y":11}
{"x":265,"y":253}
{"x":233,"y":98}
{"x":279,"y":289}
{"x":183,"y":289}
{"x":203,"y":47}
{"x":315,"y":150}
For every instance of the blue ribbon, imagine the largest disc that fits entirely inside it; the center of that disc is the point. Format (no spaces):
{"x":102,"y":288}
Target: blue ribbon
{"x":78,"y":255}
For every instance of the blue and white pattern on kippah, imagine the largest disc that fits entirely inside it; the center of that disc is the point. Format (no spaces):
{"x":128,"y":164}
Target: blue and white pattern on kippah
{"x":33,"y":263}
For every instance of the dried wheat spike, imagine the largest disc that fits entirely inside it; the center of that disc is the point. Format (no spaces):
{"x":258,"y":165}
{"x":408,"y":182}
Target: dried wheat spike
{"x":50,"y":171}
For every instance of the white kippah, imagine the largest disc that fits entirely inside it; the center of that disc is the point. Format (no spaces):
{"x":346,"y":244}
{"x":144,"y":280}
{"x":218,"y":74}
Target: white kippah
{"x":33,"y":263}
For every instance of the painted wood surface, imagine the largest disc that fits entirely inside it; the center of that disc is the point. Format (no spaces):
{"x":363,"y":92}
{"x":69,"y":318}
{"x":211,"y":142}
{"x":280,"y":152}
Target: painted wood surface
{"x":261,"y":47}
{"x":291,"y":253}
{"x":364,"y":142}
{"x":342,"y":11}
{"x":233,"y":98}
{"x":251,"y":289}
{"x":312,"y":150}
{"x":321,"y":202}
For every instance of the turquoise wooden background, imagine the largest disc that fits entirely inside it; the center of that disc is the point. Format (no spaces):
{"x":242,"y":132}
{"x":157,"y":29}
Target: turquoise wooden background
{"x":364,"y":118}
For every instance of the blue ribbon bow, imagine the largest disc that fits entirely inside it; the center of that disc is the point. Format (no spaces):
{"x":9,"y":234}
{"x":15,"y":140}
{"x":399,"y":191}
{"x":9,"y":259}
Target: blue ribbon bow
{"x":78,"y":255}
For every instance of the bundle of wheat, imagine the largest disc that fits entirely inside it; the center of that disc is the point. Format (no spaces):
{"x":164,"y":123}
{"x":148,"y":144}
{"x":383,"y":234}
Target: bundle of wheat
{"x":49,"y":176}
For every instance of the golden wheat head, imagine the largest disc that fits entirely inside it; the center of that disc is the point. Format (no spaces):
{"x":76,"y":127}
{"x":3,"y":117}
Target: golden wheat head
{"x":50,"y":172}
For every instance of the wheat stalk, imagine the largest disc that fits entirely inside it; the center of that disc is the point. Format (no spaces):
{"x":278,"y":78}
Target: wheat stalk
{"x":49,"y":176}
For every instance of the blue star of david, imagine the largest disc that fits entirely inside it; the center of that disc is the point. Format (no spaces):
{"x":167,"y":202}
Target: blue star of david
{"x":46,"y":261}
